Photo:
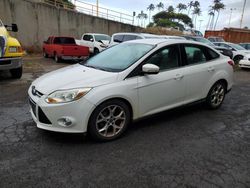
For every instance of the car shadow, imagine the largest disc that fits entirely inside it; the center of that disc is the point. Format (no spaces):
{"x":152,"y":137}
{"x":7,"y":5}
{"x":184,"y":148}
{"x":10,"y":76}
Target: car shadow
{"x":149,"y":121}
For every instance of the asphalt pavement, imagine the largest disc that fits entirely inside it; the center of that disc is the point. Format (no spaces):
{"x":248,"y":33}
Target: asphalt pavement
{"x":187,"y":147}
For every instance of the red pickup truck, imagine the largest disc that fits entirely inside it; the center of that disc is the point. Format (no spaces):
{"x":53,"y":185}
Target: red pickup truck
{"x":64,"y":48}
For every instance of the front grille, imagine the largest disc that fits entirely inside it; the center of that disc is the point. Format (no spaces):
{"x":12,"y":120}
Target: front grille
{"x":42,"y":117}
{"x":33,"y":106}
{"x":7,"y":62}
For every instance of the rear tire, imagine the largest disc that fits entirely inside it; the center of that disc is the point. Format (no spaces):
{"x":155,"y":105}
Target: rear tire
{"x":109,"y":120}
{"x":16,"y":73}
{"x":57,"y":59}
{"x":216,"y":95}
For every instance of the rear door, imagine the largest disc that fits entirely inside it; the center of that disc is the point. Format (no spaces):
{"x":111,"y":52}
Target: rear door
{"x":199,"y":67}
{"x":166,"y":89}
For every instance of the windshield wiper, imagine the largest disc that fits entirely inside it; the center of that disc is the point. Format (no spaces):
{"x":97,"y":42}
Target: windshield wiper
{"x":91,"y":66}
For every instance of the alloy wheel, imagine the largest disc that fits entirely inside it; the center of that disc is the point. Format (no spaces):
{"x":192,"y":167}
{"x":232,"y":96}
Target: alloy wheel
{"x":110,"y":121}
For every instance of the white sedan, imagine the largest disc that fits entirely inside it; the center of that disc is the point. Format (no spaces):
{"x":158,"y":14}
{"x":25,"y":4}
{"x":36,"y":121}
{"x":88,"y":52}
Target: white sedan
{"x":129,"y":81}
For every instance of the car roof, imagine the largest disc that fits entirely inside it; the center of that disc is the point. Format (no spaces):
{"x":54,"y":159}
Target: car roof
{"x":95,"y":34}
{"x":164,"y":42}
{"x":137,"y":34}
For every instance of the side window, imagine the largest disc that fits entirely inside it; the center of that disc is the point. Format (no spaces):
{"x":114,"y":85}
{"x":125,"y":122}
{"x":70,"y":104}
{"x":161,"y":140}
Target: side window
{"x":166,"y":58}
{"x":194,"y":54}
{"x":138,"y":37}
{"x":118,"y":38}
{"x":211,"y":54}
{"x":57,"y":40}
{"x":129,"y":37}
{"x":87,"y":37}
{"x":49,"y":40}
{"x":226,"y":46}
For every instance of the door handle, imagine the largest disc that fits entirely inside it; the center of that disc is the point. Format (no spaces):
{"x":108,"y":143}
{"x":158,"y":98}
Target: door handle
{"x":178,"y":76}
{"x":210,"y":69}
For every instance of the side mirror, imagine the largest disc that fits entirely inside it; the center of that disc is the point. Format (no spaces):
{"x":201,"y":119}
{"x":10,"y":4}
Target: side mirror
{"x":150,"y":69}
{"x":91,"y":40}
{"x":14,"y":27}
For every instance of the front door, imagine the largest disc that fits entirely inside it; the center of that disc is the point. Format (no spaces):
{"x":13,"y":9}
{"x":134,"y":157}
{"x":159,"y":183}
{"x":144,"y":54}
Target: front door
{"x":167,"y":88}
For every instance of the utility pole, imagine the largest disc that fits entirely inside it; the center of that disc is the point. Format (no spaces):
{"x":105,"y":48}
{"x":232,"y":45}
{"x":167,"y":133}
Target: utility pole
{"x":97,"y":7}
{"x":242,"y":15}
{"x":231,"y":12}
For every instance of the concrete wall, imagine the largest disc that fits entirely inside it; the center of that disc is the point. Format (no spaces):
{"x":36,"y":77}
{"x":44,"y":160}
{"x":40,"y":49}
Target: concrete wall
{"x":37,"y":21}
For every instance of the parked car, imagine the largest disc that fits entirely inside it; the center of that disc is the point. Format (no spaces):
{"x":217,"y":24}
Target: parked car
{"x":245,"y":45}
{"x":126,"y":82}
{"x":11,"y":52}
{"x":239,"y":52}
{"x":192,"y":32}
{"x":216,"y":39}
{"x":64,"y":48}
{"x":223,"y":50}
{"x":123,"y":37}
{"x":95,"y":41}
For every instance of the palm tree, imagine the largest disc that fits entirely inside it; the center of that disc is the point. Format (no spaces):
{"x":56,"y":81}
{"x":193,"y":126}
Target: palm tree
{"x":142,"y":16}
{"x":211,"y":15}
{"x":218,"y":6}
{"x":196,"y":4}
{"x":190,"y":6}
{"x":181,"y":7}
{"x":160,"y":6}
{"x":170,"y":9}
{"x":145,"y":17}
{"x":196,"y":13}
{"x":150,"y":8}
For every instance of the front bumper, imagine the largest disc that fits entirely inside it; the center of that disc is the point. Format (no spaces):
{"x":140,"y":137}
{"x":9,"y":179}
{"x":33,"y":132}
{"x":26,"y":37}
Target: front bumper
{"x":244,"y":63}
{"x":48,"y":116}
{"x":10,"y":63}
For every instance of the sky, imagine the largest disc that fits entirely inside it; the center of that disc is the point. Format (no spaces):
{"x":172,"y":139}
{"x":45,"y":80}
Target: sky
{"x":128,"y":6}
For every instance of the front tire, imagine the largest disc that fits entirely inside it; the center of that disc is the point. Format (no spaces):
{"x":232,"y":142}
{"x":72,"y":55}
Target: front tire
{"x":96,"y":51}
{"x":16,"y":73}
{"x":216,"y":95}
{"x":109,"y":120}
{"x":45,"y":55}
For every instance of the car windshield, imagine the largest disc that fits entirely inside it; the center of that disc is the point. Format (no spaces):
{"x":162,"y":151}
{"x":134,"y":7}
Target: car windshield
{"x":203,"y":40}
{"x":101,"y":37}
{"x":237,"y":47}
{"x":119,"y":57}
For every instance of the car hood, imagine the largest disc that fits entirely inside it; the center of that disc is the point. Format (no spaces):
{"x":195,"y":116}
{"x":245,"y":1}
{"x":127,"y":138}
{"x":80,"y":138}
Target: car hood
{"x":75,"y":76}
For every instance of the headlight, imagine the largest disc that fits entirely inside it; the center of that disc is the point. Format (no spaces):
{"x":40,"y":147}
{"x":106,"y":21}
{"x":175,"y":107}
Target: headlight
{"x":13,"y":49}
{"x":64,"y":96}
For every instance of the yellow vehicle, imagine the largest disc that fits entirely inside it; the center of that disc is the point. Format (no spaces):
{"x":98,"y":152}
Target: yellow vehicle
{"x":10,"y":51}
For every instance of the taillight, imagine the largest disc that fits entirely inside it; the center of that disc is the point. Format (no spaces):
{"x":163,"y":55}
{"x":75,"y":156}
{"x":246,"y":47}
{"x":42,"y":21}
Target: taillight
{"x":230,"y":62}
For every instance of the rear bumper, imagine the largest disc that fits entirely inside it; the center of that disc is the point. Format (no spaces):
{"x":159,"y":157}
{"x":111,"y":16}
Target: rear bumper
{"x":10,"y":63}
{"x":73,"y":57}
